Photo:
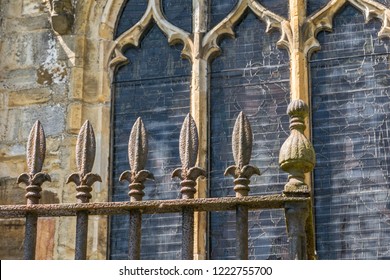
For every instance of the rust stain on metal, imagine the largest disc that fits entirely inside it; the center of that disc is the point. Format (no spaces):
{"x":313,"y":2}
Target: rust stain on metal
{"x":136,"y":176}
{"x":150,"y":207}
{"x":242,"y":172}
{"x":188,"y":148}
{"x":138,"y":152}
{"x":242,"y":152}
{"x":84,"y":179}
{"x":85,"y":157}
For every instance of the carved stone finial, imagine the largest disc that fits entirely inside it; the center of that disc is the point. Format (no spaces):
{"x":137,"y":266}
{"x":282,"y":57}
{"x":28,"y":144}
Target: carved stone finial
{"x":297,"y":155}
{"x":188,"y":149}
{"x":242,"y":152}
{"x":36,"y":149}
{"x":85,"y":157}
{"x":62,"y":15}
{"x":138,"y":152}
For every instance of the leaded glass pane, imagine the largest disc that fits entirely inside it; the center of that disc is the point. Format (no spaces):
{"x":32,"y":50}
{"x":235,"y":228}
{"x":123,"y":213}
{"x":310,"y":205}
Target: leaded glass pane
{"x":154,"y":86}
{"x":179,"y":13}
{"x":315,"y":5}
{"x":384,"y":2}
{"x":219,"y":9}
{"x":251,"y":75}
{"x":132,"y":12}
{"x":279,"y":7}
{"x":351,"y":119}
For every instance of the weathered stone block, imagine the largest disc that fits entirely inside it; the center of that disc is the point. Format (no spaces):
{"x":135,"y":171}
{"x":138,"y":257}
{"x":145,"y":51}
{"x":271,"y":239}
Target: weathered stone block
{"x":15,"y":125}
{"x":12,"y":54}
{"x":3,"y":97}
{"x":30,"y":7}
{"x":52,"y":70}
{"x":74,"y":118}
{"x":11,"y":8}
{"x":20,"y":79}
{"x":4,"y":124}
{"x":76,"y":88}
{"x":66,"y":47}
{"x":11,"y":241}
{"x":12,"y":151}
{"x":51,"y":117}
{"x":12,"y":167}
{"x":48,"y":74}
{"x":26,"y":24}
{"x":66,"y":238}
{"x":29,"y":97}
{"x":10,"y":192}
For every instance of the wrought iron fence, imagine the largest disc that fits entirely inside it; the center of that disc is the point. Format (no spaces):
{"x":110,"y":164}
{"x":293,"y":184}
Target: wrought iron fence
{"x":296,"y":157}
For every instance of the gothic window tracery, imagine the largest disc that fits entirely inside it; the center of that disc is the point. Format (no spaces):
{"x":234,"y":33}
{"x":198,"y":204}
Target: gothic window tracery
{"x":216,"y":77}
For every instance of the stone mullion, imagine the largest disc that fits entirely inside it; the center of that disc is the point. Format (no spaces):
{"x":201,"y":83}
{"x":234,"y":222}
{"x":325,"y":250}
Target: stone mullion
{"x":299,"y":82}
{"x":199,"y":111}
{"x":299,"y":65}
{"x":299,"y":76}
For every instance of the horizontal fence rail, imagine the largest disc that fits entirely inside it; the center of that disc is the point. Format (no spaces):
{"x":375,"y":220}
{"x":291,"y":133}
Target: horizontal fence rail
{"x":296,"y":157}
{"x":151,"y":207}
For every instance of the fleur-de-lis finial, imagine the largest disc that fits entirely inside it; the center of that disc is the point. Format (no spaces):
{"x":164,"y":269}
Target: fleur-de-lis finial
{"x":188,"y":150}
{"x":242,"y":152}
{"x":85,"y":157}
{"x":36,"y":149}
{"x":138,"y":152}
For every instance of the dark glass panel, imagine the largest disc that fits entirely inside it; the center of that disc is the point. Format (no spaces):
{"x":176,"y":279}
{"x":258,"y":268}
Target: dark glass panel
{"x":279,"y":7}
{"x":384,"y":2}
{"x":132,"y":12}
{"x":179,"y":13}
{"x":351,"y":119}
{"x":154,"y":86}
{"x":219,"y":9}
{"x":315,"y":5}
{"x":251,"y":75}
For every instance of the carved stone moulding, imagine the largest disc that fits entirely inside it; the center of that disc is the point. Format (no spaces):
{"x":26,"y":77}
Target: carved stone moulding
{"x":323,"y":20}
{"x":297,"y":155}
{"x":62,"y":16}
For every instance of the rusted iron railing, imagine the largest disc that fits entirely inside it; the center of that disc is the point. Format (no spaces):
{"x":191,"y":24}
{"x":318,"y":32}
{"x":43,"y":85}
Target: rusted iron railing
{"x":84,"y":179}
{"x":188,"y":174}
{"x":242,"y":171}
{"x":296,"y":157}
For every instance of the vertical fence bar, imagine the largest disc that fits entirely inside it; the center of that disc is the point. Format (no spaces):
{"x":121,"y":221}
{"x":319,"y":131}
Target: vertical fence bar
{"x":84,"y":179}
{"x":188,"y":190}
{"x":188,"y":173}
{"x":136,"y":176}
{"x":297,"y":157}
{"x":242,"y":232}
{"x":135,"y":235}
{"x":81,"y":235}
{"x":187,"y":234}
{"x":242,"y":171}
{"x":36,"y":149}
{"x":30,"y":236}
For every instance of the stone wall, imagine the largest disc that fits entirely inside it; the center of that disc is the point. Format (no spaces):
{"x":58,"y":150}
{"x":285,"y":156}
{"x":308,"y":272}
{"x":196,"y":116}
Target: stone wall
{"x":54,"y":78}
